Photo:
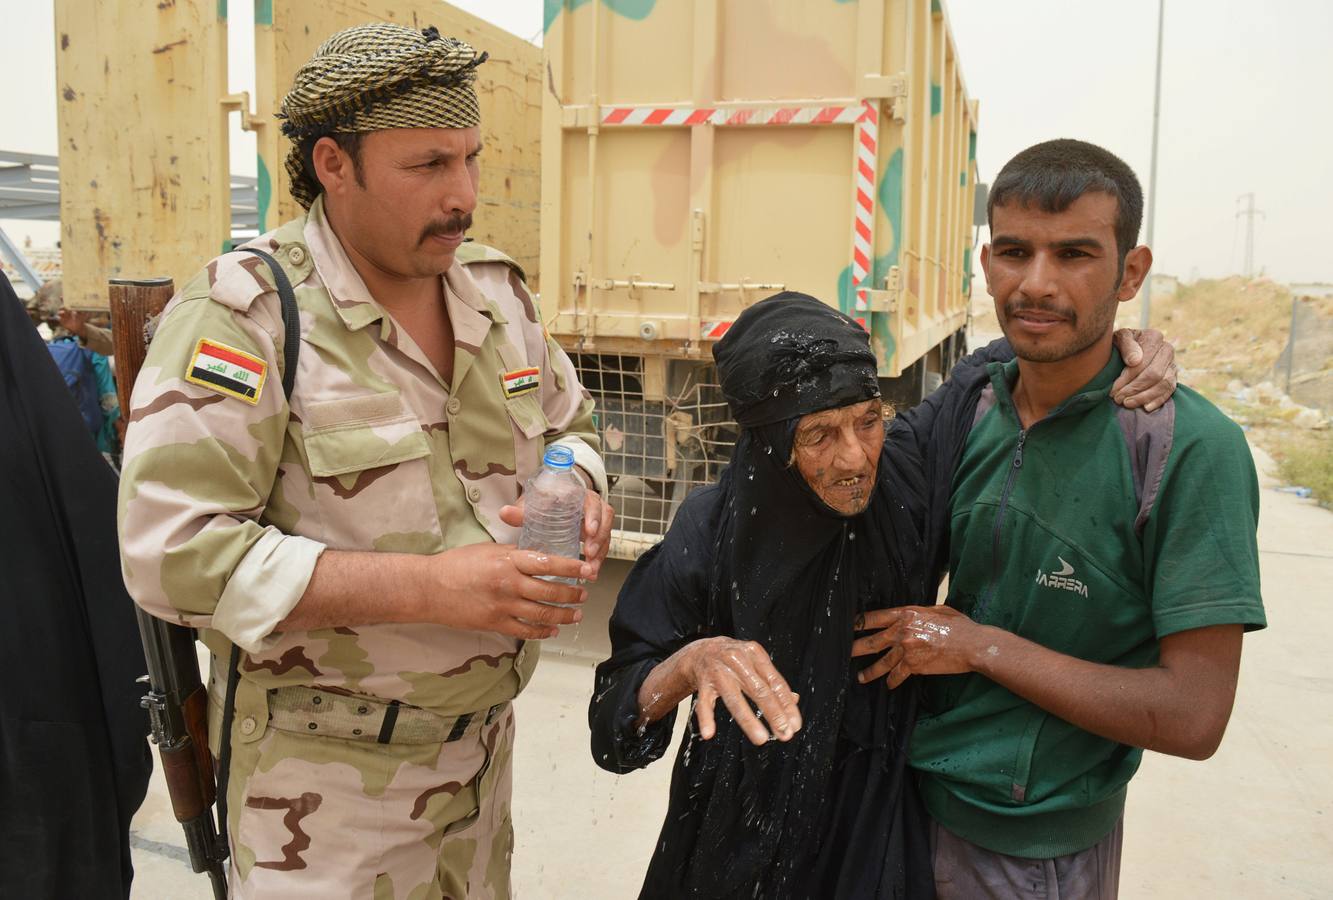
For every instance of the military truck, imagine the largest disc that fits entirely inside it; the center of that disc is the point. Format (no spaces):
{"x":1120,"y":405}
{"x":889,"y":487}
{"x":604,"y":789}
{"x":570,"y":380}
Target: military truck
{"x":698,"y":156}
{"x":675,"y":161}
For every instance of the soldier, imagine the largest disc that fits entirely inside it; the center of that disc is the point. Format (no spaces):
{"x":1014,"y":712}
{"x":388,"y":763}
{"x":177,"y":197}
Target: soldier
{"x":355,"y":543}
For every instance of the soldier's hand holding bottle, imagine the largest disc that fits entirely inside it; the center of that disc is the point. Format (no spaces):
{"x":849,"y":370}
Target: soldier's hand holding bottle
{"x":553,"y":489}
{"x":497,"y":587}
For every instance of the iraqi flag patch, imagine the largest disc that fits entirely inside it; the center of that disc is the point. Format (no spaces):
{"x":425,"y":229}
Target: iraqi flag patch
{"x":227,"y":370}
{"x":521,"y":381}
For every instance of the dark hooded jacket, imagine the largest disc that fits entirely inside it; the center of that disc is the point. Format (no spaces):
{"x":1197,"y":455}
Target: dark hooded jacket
{"x":74,"y":761}
{"x":834,"y":812}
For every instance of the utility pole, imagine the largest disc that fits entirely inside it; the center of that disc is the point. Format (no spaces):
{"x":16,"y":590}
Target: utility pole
{"x":1145,"y":311}
{"x":1249,"y":212}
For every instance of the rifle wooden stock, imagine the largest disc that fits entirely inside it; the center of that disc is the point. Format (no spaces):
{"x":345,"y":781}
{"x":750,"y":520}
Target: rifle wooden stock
{"x":196,"y":723}
{"x":188,"y":767}
{"x":133,"y":303}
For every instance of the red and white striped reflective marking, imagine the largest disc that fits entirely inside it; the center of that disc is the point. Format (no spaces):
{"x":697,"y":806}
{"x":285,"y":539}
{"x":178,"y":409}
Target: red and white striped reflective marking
{"x":867,"y":136}
{"x":685,"y":116}
{"x":864,"y":116}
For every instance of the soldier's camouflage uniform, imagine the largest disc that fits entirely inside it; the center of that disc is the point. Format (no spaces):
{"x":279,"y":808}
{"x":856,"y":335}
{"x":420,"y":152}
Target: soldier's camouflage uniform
{"x":226,"y":504}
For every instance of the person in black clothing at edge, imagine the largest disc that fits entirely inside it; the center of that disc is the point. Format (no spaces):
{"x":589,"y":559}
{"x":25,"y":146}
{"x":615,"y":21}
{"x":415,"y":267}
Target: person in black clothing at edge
{"x":797,"y":786}
{"x":74,"y":761}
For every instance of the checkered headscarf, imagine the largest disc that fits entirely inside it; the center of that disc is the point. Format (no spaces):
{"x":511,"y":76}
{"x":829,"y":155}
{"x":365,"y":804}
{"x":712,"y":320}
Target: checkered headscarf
{"x":373,"y":77}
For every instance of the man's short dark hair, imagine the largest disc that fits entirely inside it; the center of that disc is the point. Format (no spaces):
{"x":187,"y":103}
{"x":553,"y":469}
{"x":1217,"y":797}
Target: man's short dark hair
{"x":1053,"y":174}
{"x":348,"y":142}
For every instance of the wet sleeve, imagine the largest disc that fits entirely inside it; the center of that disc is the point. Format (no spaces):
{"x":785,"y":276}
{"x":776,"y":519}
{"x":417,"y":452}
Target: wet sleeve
{"x":661,"y":608}
{"x":921,"y":445}
{"x":199,"y":466}
{"x":917,"y":437}
{"x":1200,"y":541}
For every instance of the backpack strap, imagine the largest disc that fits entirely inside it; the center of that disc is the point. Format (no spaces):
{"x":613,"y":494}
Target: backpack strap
{"x":291,"y":320}
{"x":291,"y":350}
{"x":1148,"y":438}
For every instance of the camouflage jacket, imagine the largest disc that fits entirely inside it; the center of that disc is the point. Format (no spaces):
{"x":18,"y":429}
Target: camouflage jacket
{"x":229,"y":495}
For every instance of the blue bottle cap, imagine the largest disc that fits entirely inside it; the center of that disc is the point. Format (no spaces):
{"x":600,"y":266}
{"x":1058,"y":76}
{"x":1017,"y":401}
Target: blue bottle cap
{"x":558,"y":457}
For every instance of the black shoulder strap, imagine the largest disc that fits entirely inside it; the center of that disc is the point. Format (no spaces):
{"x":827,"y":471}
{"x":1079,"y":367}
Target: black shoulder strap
{"x":291,"y":320}
{"x":291,"y":350}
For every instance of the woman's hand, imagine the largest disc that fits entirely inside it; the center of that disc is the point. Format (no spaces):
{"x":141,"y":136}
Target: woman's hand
{"x":736,"y":672}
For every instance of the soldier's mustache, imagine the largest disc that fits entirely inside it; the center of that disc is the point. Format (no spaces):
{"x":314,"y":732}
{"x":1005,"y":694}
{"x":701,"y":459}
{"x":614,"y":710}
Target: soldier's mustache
{"x":448,"y":228}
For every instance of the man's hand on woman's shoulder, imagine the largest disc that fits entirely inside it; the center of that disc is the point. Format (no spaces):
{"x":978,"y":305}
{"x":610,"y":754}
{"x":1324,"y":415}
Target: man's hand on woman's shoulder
{"x":1150,"y":373}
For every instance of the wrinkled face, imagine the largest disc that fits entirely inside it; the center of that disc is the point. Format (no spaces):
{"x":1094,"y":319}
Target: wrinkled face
{"x":837,"y":453}
{"x":1055,"y":276}
{"x":413,"y":204}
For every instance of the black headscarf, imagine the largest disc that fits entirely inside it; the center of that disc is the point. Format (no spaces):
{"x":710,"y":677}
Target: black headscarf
{"x":821,"y":815}
{"x":74,"y":761}
{"x":791,"y":355}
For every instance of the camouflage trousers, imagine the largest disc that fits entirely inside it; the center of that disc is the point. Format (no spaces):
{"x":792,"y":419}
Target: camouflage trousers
{"x":318,"y":816}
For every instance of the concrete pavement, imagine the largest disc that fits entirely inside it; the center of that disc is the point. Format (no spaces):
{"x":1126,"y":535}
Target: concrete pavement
{"x":1254,"y":822}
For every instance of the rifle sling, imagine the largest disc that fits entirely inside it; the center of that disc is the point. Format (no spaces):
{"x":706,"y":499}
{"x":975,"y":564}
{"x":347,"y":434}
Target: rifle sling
{"x":291,"y":349}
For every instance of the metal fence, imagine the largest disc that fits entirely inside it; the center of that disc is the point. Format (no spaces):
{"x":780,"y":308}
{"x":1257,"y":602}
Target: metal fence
{"x":1305,"y":368}
{"x":658,"y":443}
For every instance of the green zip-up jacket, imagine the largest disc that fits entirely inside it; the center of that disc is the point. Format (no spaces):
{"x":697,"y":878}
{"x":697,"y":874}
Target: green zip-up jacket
{"x":1096,"y":532}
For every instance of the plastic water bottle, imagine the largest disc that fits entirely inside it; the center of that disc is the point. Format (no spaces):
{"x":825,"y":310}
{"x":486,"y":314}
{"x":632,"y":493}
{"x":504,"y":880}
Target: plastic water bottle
{"x":553,"y":509}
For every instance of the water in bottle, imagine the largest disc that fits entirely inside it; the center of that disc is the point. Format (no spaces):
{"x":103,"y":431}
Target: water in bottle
{"x":553,"y":509}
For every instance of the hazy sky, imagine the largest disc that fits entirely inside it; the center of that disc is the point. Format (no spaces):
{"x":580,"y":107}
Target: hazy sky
{"x":1245,"y":89}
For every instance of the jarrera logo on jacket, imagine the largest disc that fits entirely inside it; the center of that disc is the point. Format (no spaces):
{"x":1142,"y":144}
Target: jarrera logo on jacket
{"x":1063,"y":580}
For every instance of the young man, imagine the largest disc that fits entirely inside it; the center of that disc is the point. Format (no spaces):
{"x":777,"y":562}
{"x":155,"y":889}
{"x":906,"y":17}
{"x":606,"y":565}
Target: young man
{"x":1103,"y":563}
{"x":355,"y":542}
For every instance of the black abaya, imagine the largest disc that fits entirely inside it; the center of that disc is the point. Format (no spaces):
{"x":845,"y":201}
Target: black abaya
{"x":834,"y":812}
{"x":74,"y":762}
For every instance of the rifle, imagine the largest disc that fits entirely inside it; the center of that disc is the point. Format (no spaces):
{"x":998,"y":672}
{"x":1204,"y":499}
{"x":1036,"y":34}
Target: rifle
{"x":177,"y":701}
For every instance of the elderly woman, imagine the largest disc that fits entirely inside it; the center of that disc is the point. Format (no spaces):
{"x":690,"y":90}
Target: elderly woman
{"x":753,"y":597}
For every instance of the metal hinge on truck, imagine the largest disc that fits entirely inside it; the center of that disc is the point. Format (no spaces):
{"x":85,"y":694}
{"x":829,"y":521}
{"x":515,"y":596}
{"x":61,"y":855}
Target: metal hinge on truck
{"x":892,"y":89}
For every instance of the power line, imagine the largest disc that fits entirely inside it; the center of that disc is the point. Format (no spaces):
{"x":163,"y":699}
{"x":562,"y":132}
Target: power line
{"x":1145,"y":311}
{"x":1249,"y":212}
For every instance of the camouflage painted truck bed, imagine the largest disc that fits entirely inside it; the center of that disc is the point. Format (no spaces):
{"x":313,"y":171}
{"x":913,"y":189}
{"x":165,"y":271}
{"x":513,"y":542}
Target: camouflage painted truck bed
{"x":698,"y":156}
